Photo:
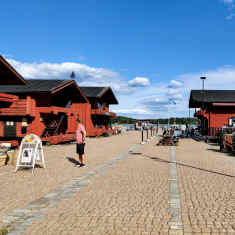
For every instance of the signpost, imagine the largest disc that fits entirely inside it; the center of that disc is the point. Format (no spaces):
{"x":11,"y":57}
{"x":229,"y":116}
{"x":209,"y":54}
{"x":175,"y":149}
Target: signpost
{"x":30,"y":152}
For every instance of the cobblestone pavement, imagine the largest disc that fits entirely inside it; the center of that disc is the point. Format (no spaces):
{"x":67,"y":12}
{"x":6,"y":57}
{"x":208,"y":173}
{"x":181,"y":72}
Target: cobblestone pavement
{"x":207,"y":188}
{"x":132,"y":198}
{"x":188,"y":189}
{"x":21,"y":188}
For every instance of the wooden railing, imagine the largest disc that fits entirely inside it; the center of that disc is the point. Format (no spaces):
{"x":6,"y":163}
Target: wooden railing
{"x":53,"y":109}
{"x":18,"y":108}
{"x":101,"y":111}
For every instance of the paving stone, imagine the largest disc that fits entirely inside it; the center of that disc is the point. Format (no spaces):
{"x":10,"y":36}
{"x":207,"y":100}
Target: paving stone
{"x":128,"y":190}
{"x":130,"y":195}
{"x":206,"y":184}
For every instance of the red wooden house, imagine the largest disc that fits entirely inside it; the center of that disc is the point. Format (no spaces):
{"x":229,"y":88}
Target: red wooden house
{"x":100,"y":98}
{"x":216,"y":107}
{"x":47,"y":108}
{"x":8,"y":75}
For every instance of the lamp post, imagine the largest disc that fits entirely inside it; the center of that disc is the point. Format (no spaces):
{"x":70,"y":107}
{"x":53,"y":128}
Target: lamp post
{"x":203,"y":79}
{"x":203,"y":96}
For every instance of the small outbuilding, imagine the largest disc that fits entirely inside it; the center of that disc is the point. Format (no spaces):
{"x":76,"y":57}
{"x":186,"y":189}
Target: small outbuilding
{"x":216,"y":108}
{"x":100,"y":99}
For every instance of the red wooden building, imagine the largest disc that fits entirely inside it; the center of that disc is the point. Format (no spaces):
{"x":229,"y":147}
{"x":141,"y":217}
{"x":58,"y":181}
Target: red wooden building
{"x":48,"y":108}
{"x":216,"y":107}
{"x":100,"y":98}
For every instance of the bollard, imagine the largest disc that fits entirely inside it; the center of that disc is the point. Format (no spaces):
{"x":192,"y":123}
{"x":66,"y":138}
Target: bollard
{"x":142,"y":134}
{"x":147,"y":134}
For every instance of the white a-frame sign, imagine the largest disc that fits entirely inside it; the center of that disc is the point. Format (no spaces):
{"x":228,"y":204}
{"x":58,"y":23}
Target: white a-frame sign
{"x":30,"y":152}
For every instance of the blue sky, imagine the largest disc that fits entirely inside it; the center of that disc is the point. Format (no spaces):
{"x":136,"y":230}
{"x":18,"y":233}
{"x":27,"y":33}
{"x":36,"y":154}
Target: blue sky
{"x":147,"y":51}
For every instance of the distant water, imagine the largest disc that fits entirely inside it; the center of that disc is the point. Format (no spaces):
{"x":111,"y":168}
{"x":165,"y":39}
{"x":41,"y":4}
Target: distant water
{"x":132,"y":126}
{"x":124,"y":125}
{"x":178,"y":125}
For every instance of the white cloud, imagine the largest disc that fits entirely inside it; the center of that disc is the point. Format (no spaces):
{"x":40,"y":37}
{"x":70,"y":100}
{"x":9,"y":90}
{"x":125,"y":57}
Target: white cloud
{"x":6,"y":55}
{"x":155,"y":98}
{"x":175,"y":84}
{"x":84,"y":74}
{"x":133,"y":111}
{"x":134,"y":101}
{"x":139,"y":82}
{"x":175,"y":94}
{"x":229,"y":4}
{"x":220,"y":78}
{"x":62,"y":70}
{"x":228,"y":1}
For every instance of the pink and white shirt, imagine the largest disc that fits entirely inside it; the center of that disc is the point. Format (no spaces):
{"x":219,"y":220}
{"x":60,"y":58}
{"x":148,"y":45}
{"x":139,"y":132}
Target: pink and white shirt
{"x":79,"y":133}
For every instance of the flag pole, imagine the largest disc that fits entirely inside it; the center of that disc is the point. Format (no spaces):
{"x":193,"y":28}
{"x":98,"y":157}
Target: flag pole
{"x":168,"y":107}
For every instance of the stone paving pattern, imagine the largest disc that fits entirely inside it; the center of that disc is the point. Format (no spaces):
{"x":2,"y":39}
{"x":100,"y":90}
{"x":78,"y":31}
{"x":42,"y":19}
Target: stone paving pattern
{"x":126,"y":200}
{"x":132,"y":197}
{"x":18,"y":220}
{"x":207,"y":188}
{"x":20,"y":188}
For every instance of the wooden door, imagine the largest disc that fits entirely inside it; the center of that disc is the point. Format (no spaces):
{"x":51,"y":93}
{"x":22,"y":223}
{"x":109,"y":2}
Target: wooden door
{"x":9,"y":129}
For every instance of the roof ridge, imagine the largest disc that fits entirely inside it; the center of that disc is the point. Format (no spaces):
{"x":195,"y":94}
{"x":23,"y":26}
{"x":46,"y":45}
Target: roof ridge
{"x":103,"y":91}
{"x":12,"y":69}
{"x":93,"y":86}
{"x":47,"y":79}
{"x":63,"y":83}
{"x":210,"y":90}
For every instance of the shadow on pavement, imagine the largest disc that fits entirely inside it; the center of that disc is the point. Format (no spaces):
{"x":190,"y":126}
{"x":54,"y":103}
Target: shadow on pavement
{"x":182,"y":164}
{"x":134,"y":153}
{"x":214,"y":150}
{"x":228,"y":154}
{"x":213,"y":144}
{"x":73,"y":160}
{"x":23,"y":168}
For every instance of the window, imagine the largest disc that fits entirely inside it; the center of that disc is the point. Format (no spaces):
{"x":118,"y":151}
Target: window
{"x":9,"y":123}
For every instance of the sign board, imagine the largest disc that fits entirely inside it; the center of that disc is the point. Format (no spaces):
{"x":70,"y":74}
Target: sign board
{"x":30,"y":152}
{"x":27,"y":155}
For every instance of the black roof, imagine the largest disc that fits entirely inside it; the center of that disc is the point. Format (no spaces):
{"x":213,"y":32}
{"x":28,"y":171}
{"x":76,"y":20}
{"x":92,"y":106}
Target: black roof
{"x":34,"y":85}
{"x":8,"y":75}
{"x":100,"y":93}
{"x":94,"y":92}
{"x":197,"y":97}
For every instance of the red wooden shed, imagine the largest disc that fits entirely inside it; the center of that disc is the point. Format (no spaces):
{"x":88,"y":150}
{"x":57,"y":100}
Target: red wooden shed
{"x":49,"y":108}
{"x":100,"y":98}
{"x":216,"y":107}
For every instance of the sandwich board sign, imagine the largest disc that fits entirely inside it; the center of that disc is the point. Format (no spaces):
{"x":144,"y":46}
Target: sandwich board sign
{"x":30,"y":152}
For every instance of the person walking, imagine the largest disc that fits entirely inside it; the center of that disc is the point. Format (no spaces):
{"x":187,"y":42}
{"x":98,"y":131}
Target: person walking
{"x":80,"y":138}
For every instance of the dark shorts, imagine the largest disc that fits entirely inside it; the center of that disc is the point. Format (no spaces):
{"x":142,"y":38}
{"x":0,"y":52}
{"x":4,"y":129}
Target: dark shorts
{"x":80,"y":149}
